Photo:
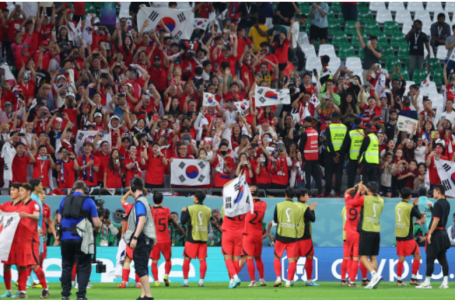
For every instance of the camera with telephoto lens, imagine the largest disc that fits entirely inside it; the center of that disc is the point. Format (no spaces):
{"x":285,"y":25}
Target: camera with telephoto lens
{"x":100,"y":267}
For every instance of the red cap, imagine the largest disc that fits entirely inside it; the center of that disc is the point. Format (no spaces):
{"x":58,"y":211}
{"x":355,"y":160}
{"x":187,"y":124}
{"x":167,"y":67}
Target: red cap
{"x":265,"y":121}
{"x":44,"y":43}
{"x":86,"y":106}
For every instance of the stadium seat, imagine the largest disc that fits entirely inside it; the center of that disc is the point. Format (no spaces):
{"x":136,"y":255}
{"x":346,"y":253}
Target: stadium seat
{"x":407,"y":26}
{"x":437,"y":101}
{"x":304,"y":7}
{"x":387,"y":51}
{"x":377,"y":6}
{"x":422,"y":15}
{"x":334,"y":28}
{"x":426,"y":28}
{"x":433,"y":64}
{"x":419,"y":75}
{"x":334,"y":64}
{"x":441,"y":53}
{"x":313,"y":64}
{"x":415,"y":6}
{"x":327,"y":49}
{"x":403,"y":52}
{"x":337,"y":40}
{"x":408,"y":84}
{"x":364,"y":15}
{"x":450,"y":7}
{"x":436,"y":13}
{"x":430,"y":89}
{"x":362,"y":5}
{"x":404,"y":73}
{"x":303,"y":38}
{"x":335,"y":6}
{"x":434,"y":6}
{"x":403,"y":16}
{"x":355,"y":40}
{"x":382,"y":39}
{"x":346,"y":50}
{"x":349,"y":28}
{"x":340,"y":18}
{"x":383,"y":16}
{"x":390,"y":27}
{"x":371,"y":27}
{"x":391,"y":62}
{"x":353,"y":63}
{"x":398,"y":40}
{"x":361,"y":54}
{"x":309,"y":51}
{"x":438,"y":76}
{"x":396,"y":6}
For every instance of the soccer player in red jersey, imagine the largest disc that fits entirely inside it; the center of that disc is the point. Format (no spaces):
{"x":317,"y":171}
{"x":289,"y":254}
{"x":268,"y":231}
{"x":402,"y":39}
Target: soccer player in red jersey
{"x":163,"y":245}
{"x":304,"y":244}
{"x":252,"y":238}
{"x":9,"y":207}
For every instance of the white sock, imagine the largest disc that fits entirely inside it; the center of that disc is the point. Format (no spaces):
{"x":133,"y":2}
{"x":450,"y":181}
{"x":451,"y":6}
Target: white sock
{"x":185,"y":281}
{"x":261,"y":279}
{"x":235,"y":277}
{"x":201,"y":280}
{"x":445,"y":280}
{"x":365,"y":278}
{"x":278,"y":278}
{"x":414,"y":276}
{"x":399,"y":278}
{"x":427,"y":279}
{"x":288,"y":282}
{"x":231,"y":282}
{"x":373,"y":273}
{"x":166,"y":274}
{"x":8,"y":291}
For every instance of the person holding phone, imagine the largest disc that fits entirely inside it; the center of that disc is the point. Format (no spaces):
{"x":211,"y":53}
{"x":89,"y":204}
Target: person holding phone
{"x":43,"y":163}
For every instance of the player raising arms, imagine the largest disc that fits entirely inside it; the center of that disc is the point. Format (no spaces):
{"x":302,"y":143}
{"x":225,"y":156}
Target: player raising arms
{"x":404,"y":233}
{"x":163,"y":245}
{"x":287,"y":217}
{"x":304,"y":244}
{"x":252,"y":238}
{"x":10,"y":207}
{"x":369,"y":227}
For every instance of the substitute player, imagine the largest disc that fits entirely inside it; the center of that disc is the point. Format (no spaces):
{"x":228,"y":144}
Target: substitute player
{"x":10,"y":207}
{"x":304,"y":244}
{"x":163,"y":245}
{"x":404,"y":233}
{"x":287,"y":217}
{"x":252,"y":238}
{"x":369,"y":228}
{"x":197,"y":218}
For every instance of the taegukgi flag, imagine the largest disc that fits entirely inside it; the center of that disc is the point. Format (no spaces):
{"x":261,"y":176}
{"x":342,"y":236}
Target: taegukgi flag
{"x":8,"y":226}
{"x":178,"y":21}
{"x":201,"y":23}
{"x":269,"y":97}
{"x":446,"y":172}
{"x":242,"y":106}
{"x":190,"y":172}
{"x":89,"y":136}
{"x":209,"y":100}
{"x":237,"y":199}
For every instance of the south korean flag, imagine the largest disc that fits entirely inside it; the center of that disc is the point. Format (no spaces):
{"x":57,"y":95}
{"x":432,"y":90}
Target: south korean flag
{"x":209,"y":100}
{"x":270,"y":97}
{"x":190,"y":172}
{"x":200,"y":23}
{"x":426,"y":82}
{"x":242,"y":106}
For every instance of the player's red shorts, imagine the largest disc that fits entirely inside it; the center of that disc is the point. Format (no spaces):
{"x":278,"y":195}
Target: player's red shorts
{"x":406,"y":248}
{"x":351,"y":246}
{"x":27,"y":253}
{"x":304,"y":248}
{"x":252,"y":245}
{"x":231,"y":244}
{"x":281,"y":246}
{"x":164,"y":248}
{"x":195,"y":250}
{"x":129,"y":252}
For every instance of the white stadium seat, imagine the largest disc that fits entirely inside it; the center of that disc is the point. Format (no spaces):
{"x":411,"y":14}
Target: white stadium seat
{"x":415,"y":6}
{"x":434,"y":6}
{"x":450,"y":7}
{"x":327,"y":49}
{"x":309,"y":51}
{"x":334,"y":64}
{"x":431,"y":51}
{"x":396,"y":6}
{"x":422,"y":15}
{"x":377,"y":6}
{"x":403,"y":16}
{"x":441,"y":53}
{"x":406,"y":27}
{"x":408,"y":84}
{"x":313,"y":63}
{"x":353,"y":63}
{"x":383,"y":16}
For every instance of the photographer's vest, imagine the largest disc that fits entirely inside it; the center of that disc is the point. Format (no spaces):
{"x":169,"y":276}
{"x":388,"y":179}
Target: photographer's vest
{"x":73,"y":208}
{"x":301,"y":227}
{"x":403,"y":219}
{"x":356,"y":136}
{"x":337,"y":134}
{"x":311,"y":150}
{"x":372,"y":209}
{"x":288,"y":219}
{"x":371,"y":155}
{"x":149,"y":229}
{"x":200,"y":218}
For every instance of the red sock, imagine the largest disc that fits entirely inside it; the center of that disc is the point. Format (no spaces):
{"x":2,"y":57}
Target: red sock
{"x":344,"y":267}
{"x":415,"y":266}
{"x":155,"y":271}
{"x":22,"y":280}
{"x":42,"y":279}
{"x":364,"y":271}
{"x":260,"y":266}
{"x":73,"y":273}
{"x":277,"y":266}
{"x":7,"y":279}
{"x":251,"y":270}
{"x":125,"y":275}
{"x":350,"y":262}
{"x":167,"y":267}
{"x":29,"y":272}
{"x":237,"y":266}
{"x":353,"y":270}
{"x":203,"y":268}
{"x":230,"y":267}
{"x":137,"y":278}
{"x":309,"y":268}
{"x":291,"y":270}
{"x":186,"y":268}
{"x":400,"y":267}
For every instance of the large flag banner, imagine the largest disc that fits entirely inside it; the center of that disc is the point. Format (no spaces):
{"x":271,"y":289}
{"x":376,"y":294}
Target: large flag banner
{"x":190,"y":172}
{"x":209,"y":100}
{"x":87,"y":32}
{"x":178,"y":21}
{"x":89,"y":136}
{"x":242,"y":106}
{"x":200,"y":23}
{"x":426,"y":82}
{"x":237,"y":199}
{"x":446,"y":172}
{"x":269,"y":97}
{"x":8,"y":225}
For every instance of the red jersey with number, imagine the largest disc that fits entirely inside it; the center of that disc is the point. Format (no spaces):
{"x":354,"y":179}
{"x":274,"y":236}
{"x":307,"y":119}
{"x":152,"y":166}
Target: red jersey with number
{"x":352,"y":216}
{"x":67,"y":175}
{"x":10,"y":207}
{"x":253,"y":221}
{"x":233,"y":224}
{"x":162,"y":215}
{"x":46,"y":215}
{"x":27,"y":227}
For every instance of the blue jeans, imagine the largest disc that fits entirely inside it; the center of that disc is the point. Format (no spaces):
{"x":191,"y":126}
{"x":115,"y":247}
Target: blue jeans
{"x":450,"y":66}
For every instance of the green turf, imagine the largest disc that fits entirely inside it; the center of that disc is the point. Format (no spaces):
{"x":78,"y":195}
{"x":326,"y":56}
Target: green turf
{"x":213,"y":291}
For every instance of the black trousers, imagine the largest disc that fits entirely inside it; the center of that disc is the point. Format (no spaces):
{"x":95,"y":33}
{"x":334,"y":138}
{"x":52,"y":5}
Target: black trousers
{"x":369,"y":172}
{"x":71,"y":253}
{"x":352,"y":172}
{"x":141,"y":256}
{"x":331,"y":167}
{"x":298,"y":56}
{"x":311,"y":169}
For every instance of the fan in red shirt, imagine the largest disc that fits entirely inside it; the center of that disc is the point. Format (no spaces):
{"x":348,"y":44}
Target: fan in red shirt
{"x":112,"y":178}
{"x":132,"y":164}
{"x":252,"y":237}
{"x":435,"y":155}
{"x":103,"y":155}
{"x":89,"y":165}
{"x":224,"y":165}
{"x":227,"y":57}
{"x":43,"y":163}
{"x":66,"y":167}
{"x":163,"y":245}
{"x":156,"y":168}
{"x":159,"y":72}
{"x":20,"y":163}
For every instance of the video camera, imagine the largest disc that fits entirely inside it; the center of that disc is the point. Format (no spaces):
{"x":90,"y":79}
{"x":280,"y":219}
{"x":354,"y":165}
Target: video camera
{"x":100,"y":267}
{"x":102,"y":211}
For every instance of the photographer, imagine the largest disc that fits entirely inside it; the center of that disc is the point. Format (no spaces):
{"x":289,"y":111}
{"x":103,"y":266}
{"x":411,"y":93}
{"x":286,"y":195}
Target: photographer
{"x":215,"y":228}
{"x":109,"y":233}
{"x":177,"y":240}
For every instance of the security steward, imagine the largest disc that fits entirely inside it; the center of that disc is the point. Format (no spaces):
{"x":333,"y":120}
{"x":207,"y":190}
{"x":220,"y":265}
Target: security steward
{"x":141,"y":234}
{"x":73,"y":209}
{"x":336,"y":138}
{"x":355,"y":138}
{"x":309,"y":146}
{"x":369,"y":155}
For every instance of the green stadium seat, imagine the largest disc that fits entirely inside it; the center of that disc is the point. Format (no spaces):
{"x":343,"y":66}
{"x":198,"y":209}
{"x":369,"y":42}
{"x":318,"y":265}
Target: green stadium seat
{"x":438,"y":76}
{"x":434,"y":64}
{"x":387,"y":52}
{"x":391,"y":62}
{"x":335,"y":30}
{"x":419,"y":75}
{"x":355,"y":40}
{"x":340,"y":18}
{"x":390,"y":28}
{"x":382,"y":39}
{"x":346,"y":50}
{"x":304,"y":7}
{"x":362,"y":5}
{"x":383,"y":45}
{"x":403,"y":52}
{"x":361,"y":54}
{"x":398,"y":40}
{"x":404,"y":73}
{"x":364,"y":15}
{"x":371,"y":28}
{"x":339,"y":39}
{"x":349,"y":28}
{"x":335,"y":6}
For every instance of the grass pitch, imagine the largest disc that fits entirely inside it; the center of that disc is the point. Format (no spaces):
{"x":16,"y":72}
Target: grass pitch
{"x":214,"y":291}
